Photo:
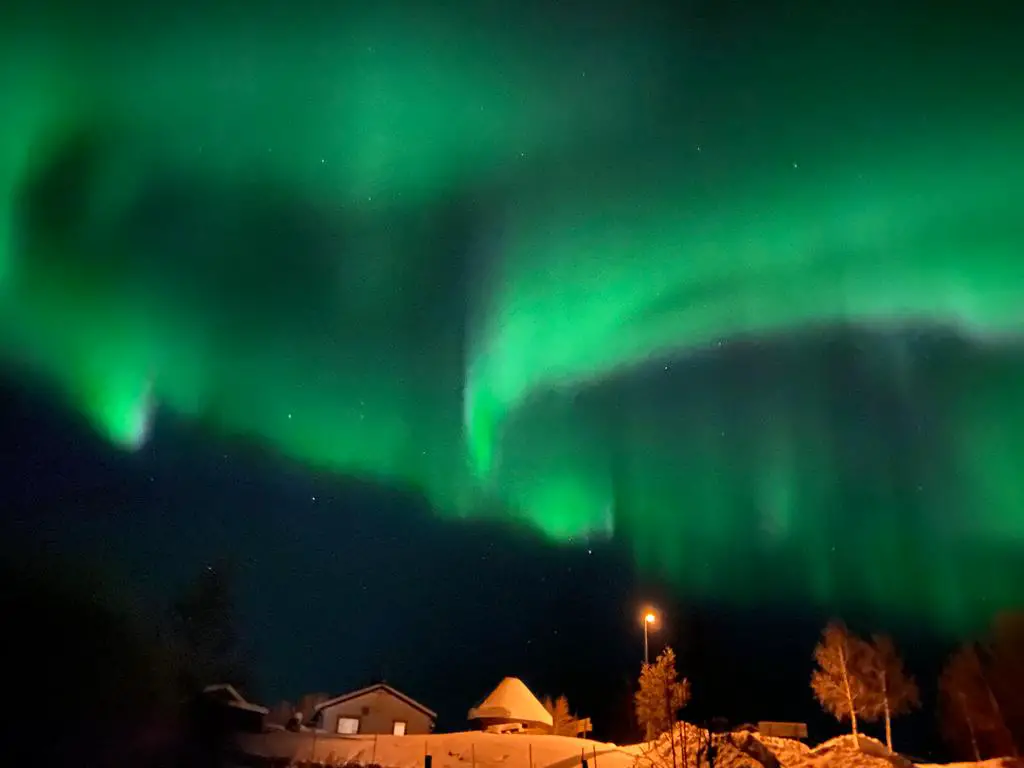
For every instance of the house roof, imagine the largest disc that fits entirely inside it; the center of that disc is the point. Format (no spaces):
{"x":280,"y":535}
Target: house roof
{"x":370,"y":689}
{"x":235,"y":699}
{"x":227,"y":688}
{"x":512,"y":701}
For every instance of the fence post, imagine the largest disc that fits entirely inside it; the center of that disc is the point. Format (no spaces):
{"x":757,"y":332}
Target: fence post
{"x":373,"y":758}
{"x":583,"y":758}
{"x":531,"y":754}
{"x":472,"y":754}
{"x":595,"y":755}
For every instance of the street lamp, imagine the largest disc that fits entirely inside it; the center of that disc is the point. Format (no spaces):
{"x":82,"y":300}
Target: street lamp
{"x":649,"y":618}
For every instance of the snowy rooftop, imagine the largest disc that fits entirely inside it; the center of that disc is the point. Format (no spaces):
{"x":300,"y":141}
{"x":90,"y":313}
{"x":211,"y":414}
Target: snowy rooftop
{"x":511,"y":700}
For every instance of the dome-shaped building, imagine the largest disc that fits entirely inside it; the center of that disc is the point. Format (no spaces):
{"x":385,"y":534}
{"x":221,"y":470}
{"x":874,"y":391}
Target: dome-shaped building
{"x":511,"y":708}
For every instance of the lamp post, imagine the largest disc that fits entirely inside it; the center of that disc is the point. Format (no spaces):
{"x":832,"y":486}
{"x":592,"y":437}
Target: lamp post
{"x":649,"y":618}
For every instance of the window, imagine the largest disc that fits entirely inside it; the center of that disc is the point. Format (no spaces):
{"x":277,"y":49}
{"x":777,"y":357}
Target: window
{"x":399,"y":728}
{"x":348,"y":725}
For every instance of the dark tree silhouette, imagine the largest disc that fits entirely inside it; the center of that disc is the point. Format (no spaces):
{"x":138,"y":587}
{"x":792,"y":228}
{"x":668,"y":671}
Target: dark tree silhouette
{"x":1005,"y":653}
{"x":203,"y":632}
{"x":972,"y":720}
{"x":280,"y":713}
{"x":308,"y":702}
{"x":107,"y":668}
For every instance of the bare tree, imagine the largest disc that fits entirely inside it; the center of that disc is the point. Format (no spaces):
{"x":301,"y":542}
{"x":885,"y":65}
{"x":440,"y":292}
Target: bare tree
{"x":1005,"y":652}
{"x":840,"y":681}
{"x":970,"y":712}
{"x":680,"y":747}
{"x":956,"y":712}
{"x":891,"y":690}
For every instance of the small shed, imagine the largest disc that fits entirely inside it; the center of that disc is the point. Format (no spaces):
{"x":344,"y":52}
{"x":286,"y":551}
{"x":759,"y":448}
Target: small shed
{"x":377,"y":709}
{"x":783,"y":730}
{"x":511,"y":708}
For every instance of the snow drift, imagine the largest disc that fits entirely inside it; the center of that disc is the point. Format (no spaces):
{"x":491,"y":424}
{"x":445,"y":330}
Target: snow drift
{"x":475,"y":749}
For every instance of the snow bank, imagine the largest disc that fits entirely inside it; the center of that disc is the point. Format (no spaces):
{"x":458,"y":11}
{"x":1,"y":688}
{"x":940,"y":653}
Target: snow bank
{"x":850,"y":752}
{"x":474,"y":749}
{"x":787,"y":751}
{"x":471,"y":749}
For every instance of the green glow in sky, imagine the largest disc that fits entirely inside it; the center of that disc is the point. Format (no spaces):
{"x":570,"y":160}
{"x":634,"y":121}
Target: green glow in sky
{"x":747,"y":293}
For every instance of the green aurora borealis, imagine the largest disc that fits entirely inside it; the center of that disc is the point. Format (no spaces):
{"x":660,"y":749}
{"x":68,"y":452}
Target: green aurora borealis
{"x":743,"y":286}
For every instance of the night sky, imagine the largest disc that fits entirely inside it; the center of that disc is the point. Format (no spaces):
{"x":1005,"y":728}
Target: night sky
{"x":463,"y":330}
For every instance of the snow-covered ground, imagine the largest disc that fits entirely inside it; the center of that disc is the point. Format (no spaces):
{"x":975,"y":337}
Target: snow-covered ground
{"x":475,"y":749}
{"x":470,"y":749}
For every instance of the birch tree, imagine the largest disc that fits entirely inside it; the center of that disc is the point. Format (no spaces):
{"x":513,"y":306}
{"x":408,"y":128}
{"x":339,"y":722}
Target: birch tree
{"x":971,"y":717}
{"x":891,"y":690}
{"x":1005,"y":651}
{"x":840,"y":683}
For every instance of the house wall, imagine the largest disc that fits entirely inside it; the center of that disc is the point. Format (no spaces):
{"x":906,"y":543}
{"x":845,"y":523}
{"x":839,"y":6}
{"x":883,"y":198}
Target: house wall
{"x":377,"y":712}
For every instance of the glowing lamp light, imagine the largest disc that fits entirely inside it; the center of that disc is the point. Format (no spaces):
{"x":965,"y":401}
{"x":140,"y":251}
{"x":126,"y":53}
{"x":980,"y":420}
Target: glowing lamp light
{"x":649,"y":619}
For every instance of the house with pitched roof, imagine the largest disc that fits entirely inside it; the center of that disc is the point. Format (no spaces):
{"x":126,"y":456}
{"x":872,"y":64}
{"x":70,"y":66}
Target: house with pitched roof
{"x":376,"y":709}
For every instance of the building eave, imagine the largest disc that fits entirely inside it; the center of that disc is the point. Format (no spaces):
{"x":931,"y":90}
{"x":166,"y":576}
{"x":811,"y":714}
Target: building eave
{"x":370,"y":689}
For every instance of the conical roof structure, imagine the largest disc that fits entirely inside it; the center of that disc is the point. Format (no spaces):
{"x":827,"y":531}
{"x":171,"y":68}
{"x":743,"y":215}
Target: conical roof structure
{"x":511,"y":701}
